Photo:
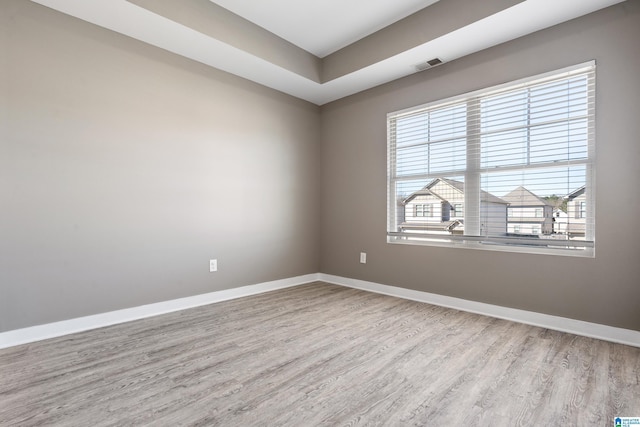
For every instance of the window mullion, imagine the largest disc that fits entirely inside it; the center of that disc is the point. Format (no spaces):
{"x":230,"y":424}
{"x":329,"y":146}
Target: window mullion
{"x":392,"y":165}
{"x":528,"y":126}
{"x":472,"y":226}
{"x":590,"y":178}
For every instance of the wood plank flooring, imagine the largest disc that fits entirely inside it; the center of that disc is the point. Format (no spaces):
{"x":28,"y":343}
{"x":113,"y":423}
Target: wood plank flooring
{"x":319,"y":355}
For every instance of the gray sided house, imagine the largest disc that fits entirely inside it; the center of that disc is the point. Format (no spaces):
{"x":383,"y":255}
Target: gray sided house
{"x":438,"y":208}
{"x":527,"y":213}
{"x":560,"y":221}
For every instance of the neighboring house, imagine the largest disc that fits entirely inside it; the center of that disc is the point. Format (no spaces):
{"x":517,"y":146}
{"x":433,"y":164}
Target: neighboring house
{"x":576,"y":213}
{"x":560,"y":221}
{"x":438,"y":208}
{"x":528,"y":213}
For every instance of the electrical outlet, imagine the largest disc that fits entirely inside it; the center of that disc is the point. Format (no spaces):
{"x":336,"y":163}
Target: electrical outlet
{"x":363,"y":257}
{"x":213,"y":265}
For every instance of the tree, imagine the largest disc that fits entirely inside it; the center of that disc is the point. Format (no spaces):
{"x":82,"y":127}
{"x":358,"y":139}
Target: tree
{"x":558,"y":202}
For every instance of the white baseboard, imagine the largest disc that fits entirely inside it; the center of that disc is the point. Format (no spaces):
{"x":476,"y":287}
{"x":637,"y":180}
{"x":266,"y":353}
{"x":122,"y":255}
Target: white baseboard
{"x":65,"y":327}
{"x":577,"y":327}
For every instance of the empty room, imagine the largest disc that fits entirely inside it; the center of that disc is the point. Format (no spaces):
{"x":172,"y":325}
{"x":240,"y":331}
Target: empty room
{"x":294,"y":213}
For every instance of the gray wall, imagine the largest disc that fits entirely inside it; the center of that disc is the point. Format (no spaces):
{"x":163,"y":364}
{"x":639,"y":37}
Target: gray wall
{"x":605,"y":289}
{"x":124,"y":169}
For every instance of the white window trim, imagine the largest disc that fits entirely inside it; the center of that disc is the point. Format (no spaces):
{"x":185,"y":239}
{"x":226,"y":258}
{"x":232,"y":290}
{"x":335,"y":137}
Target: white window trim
{"x":472,"y":186}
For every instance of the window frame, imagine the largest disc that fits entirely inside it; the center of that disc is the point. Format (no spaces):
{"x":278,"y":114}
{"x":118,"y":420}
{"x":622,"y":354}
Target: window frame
{"x":458,"y":210}
{"x":582,"y":210}
{"x":473,"y":168}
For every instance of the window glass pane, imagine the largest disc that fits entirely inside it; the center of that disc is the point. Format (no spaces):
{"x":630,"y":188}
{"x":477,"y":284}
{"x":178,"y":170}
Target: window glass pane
{"x":558,"y":100}
{"x":447,"y":156}
{"x":542,"y":182}
{"x":410,"y":129}
{"x":450,"y":122}
{"x":537,"y":199}
{"x":504,"y":111}
{"x":431,"y":142}
{"x":412,"y":160}
{"x":507,"y":148}
{"x":405,"y":188}
{"x":559,"y":142}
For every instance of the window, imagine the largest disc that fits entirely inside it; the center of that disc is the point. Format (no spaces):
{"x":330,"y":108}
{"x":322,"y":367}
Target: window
{"x":423,"y":210}
{"x":582,"y":210}
{"x":473,"y":149}
{"x":428,"y":210}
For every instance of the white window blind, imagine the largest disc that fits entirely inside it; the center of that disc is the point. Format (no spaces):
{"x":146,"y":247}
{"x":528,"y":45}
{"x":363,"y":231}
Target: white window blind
{"x":508,"y":167}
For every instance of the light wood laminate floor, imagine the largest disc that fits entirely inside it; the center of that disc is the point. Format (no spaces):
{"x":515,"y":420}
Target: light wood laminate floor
{"x":319,"y":354}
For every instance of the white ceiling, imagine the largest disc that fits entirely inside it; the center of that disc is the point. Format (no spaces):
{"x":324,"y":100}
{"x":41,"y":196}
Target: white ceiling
{"x":321,"y":27}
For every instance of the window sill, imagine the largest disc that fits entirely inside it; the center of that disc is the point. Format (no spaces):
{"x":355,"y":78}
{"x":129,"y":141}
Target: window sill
{"x":587,"y":252}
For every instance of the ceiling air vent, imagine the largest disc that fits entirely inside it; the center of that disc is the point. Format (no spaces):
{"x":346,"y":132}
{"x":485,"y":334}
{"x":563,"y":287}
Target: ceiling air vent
{"x":428,"y":64}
